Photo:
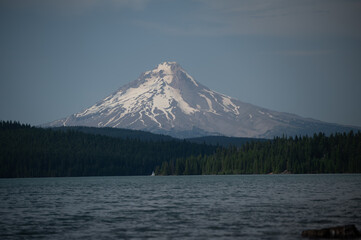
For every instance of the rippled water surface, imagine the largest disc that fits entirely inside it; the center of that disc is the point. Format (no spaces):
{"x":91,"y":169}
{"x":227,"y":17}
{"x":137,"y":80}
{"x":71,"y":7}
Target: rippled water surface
{"x":186,"y":207}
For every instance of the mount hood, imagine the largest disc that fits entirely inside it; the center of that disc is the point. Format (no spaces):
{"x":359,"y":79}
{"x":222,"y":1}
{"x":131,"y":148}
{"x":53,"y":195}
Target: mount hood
{"x":169,"y":101}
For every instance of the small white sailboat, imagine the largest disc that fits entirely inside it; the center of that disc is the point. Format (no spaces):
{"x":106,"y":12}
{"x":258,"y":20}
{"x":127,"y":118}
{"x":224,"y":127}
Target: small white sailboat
{"x":153,"y":174}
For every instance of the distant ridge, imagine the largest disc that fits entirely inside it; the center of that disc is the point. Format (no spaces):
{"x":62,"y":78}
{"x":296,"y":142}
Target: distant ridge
{"x":224,"y":141}
{"x":119,"y":133}
{"x":167,"y":100}
{"x":147,"y":136}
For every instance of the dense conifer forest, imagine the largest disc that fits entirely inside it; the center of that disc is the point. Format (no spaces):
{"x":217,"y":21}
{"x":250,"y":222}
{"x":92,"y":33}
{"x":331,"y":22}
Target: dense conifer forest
{"x":339,"y":153}
{"x":27,"y":151}
{"x":119,"y":133}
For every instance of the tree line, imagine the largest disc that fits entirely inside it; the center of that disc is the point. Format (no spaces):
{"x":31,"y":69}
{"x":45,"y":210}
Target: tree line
{"x":337,"y":153}
{"x":27,"y":151}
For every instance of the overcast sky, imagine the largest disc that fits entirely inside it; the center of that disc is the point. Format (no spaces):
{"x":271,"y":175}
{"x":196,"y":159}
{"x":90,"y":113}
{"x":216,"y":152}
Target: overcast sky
{"x":302,"y":57}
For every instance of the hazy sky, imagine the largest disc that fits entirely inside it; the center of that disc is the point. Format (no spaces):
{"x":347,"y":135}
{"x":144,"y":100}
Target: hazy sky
{"x":303,"y":57}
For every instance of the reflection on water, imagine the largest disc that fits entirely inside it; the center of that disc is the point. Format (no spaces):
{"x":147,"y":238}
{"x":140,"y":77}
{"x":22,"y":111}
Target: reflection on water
{"x":194,"y":207}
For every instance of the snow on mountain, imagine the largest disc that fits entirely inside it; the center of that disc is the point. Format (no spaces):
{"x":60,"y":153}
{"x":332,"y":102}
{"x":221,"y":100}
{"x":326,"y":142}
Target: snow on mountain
{"x":168,"y":100}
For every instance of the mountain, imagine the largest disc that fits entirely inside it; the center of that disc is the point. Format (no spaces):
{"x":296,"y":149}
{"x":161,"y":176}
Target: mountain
{"x":167,"y":100}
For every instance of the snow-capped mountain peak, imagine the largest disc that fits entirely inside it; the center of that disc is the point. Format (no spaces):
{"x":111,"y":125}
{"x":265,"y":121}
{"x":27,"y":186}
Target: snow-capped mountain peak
{"x":156,"y":94}
{"x":168,"y":72}
{"x":167,"y":67}
{"x":168,"y":100}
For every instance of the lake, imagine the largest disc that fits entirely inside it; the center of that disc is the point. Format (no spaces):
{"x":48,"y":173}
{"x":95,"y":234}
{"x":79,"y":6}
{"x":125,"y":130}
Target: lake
{"x":177,"y":207}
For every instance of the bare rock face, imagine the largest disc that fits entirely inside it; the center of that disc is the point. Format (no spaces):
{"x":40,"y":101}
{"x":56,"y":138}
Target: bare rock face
{"x":347,"y":231}
{"x":167,"y":100}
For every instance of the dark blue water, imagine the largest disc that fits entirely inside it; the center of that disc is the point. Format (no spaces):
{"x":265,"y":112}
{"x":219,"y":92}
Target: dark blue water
{"x":186,"y":207}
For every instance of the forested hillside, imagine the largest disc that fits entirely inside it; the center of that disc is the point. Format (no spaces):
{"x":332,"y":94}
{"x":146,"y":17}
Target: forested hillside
{"x":223,"y":141}
{"x":339,"y":153}
{"x":27,"y":151}
{"x":119,"y":133}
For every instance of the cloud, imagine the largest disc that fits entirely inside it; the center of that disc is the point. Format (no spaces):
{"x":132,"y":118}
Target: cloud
{"x":132,"y":4}
{"x":264,"y":17}
{"x":303,"y":53}
{"x":74,"y":7}
{"x":289,"y":17}
{"x":306,"y":18}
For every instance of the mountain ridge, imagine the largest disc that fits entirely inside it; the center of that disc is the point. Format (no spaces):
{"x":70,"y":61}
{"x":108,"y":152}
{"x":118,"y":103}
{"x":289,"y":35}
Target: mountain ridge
{"x":167,"y":100}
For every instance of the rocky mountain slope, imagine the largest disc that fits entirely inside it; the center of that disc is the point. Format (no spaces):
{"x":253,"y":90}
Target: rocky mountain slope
{"x":168,"y":100}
